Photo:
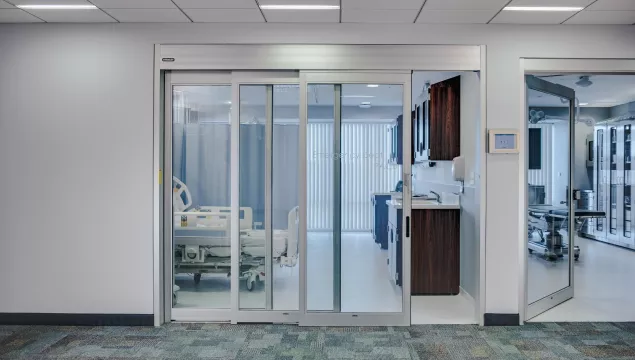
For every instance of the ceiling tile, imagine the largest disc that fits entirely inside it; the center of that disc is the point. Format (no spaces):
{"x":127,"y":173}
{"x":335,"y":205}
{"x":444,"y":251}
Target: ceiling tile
{"x":134,"y":4}
{"x":382,"y":4}
{"x":49,"y":2}
{"x":573,"y":3}
{"x":318,"y":16}
{"x":455,"y":17}
{"x":225,"y":15}
{"x":603,"y":17}
{"x":532,"y":17}
{"x":612,"y":5}
{"x":72,"y":16}
{"x":4,"y":5}
{"x":148,"y":15}
{"x":216,"y":4}
{"x":465,"y":4}
{"x":16,"y":16}
{"x":378,"y":16}
{"x":299,"y":2}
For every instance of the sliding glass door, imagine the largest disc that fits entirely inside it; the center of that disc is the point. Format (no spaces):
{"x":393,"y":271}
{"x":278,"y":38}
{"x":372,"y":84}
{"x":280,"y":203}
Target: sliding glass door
{"x":268,"y":182}
{"x":231,"y":175}
{"x":346,"y":122}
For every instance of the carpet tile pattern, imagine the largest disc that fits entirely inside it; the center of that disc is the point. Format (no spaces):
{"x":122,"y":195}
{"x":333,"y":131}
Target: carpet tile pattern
{"x":288,"y":342}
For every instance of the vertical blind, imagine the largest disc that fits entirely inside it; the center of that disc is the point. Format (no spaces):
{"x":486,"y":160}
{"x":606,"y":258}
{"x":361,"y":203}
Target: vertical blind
{"x":365,"y":169}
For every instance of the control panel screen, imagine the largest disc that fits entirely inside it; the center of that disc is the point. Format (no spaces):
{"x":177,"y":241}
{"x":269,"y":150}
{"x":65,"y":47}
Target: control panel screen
{"x":505,"y":141}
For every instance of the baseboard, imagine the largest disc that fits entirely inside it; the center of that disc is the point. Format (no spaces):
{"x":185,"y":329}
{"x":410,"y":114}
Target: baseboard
{"x":501,"y":319}
{"x":77,"y":319}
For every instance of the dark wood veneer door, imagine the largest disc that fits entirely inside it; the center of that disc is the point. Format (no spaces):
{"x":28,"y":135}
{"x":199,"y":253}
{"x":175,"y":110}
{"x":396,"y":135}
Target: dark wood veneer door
{"x":435,"y":258}
{"x":445,"y":119}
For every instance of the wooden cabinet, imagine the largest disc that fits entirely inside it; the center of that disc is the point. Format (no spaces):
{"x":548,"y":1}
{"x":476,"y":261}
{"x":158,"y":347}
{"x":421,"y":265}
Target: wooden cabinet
{"x":445,"y":120}
{"x":435,"y":256}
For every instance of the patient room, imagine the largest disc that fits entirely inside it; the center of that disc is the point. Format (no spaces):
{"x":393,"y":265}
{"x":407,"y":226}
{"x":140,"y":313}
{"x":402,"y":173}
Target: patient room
{"x":202,"y":197}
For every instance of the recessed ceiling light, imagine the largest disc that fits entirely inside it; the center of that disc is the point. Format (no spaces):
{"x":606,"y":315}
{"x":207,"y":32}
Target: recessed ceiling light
{"x":57,"y":7}
{"x":584,"y":104}
{"x":543,"y":8}
{"x":300,"y":7}
{"x":373,"y":85}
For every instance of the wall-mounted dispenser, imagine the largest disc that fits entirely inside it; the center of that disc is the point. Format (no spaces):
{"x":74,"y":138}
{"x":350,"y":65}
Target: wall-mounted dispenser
{"x":458,"y":170}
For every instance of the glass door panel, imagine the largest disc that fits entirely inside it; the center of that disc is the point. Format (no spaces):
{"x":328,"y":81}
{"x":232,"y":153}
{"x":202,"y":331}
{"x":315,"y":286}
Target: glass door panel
{"x":366,"y":170}
{"x":320,"y":189}
{"x":353,"y":131}
{"x":255,"y":118}
{"x":285,"y":210}
{"x":268,"y":196}
{"x":201,"y":196}
{"x":551,"y":235}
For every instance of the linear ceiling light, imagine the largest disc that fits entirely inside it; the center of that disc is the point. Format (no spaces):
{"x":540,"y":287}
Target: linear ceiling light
{"x":57,"y":7}
{"x":300,"y":7}
{"x":543,"y":8}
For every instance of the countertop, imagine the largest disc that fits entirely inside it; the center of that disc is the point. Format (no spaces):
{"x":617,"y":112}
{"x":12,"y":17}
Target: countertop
{"x":426,"y":205}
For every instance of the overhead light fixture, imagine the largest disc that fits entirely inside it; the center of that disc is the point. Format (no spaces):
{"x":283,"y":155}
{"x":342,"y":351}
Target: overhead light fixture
{"x":584,"y":104}
{"x":543,"y":8}
{"x":57,"y":7}
{"x":373,"y":85}
{"x":584,"y":81}
{"x":300,"y":7}
{"x":357,"y":96}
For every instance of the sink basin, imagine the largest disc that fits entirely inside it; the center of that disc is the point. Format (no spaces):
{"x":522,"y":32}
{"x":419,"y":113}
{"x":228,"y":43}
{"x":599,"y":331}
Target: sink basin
{"x":427,"y":201}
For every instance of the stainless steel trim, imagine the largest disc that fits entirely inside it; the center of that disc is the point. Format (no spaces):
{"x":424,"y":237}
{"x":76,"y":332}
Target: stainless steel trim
{"x":571,"y":232}
{"x":168,"y":220}
{"x":407,"y":200}
{"x":302,"y":196}
{"x":268,"y":199}
{"x":337,"y":199}
{"x":235,"y":201}
{"x":340,"y":57}
{"x":157,"y":195}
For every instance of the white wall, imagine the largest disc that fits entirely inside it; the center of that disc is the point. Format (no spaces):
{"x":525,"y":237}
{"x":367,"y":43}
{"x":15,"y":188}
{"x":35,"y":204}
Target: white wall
{"x":76,"y":112}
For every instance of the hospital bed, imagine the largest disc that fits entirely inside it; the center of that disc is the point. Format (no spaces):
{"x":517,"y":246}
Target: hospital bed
{"x":546,"y":225}
{"x":202,"y":241}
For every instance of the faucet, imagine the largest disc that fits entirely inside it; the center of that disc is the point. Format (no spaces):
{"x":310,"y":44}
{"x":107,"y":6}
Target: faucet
{"x":436,"y":195}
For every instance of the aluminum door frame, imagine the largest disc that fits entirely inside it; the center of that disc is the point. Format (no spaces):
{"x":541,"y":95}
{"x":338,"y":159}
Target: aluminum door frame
{"x":239,"y":315}
{"x":552,"y":300}
{"x":331,"y":318}
{"x":266,"y":57}
{"x":170,"y":313}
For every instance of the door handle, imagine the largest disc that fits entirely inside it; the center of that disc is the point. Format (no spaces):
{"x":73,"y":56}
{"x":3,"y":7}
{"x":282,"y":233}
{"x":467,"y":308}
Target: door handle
{"x":407,"y":226}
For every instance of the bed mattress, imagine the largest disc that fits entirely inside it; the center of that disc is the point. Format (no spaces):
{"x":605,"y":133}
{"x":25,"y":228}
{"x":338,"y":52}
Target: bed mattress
{"x":218,"y":244}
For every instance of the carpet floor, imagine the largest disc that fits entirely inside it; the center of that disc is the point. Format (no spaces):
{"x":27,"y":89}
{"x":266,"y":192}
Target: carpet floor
{"x":219,"y":341}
